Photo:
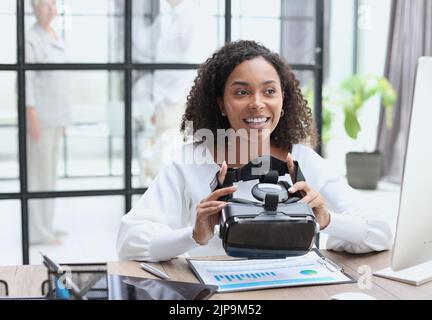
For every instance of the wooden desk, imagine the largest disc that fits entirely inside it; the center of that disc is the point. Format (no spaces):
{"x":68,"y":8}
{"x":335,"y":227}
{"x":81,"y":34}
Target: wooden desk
{"x":27,"y":280}
{"x":378,"y":262}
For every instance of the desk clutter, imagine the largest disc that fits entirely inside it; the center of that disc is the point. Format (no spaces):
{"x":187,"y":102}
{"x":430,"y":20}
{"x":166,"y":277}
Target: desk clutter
{"x":76,"y":282}
{"x":22,"y":282}
{"x":91,"y":282}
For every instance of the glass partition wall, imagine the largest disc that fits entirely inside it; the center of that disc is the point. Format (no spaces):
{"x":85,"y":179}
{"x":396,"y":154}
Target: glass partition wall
{"x":82,"y":96}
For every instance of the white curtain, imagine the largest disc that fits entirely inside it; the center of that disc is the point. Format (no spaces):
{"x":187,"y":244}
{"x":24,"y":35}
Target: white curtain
{"x":410,"y":37}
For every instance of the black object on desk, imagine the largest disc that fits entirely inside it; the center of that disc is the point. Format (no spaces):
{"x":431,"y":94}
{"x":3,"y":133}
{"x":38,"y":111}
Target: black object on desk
{"x":84,"y":281}
{"x":133,"y":288}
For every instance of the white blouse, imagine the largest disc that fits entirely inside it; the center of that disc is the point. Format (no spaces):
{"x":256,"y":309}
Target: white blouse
{"x":160,"y":225}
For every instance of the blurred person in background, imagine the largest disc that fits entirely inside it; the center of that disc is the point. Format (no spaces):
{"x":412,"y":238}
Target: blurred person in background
{"x":171,"y":38}
{"x":48,"y":114}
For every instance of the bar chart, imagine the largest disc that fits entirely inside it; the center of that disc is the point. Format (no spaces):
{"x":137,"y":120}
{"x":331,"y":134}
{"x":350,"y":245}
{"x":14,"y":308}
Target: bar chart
{"x":243,"y":276}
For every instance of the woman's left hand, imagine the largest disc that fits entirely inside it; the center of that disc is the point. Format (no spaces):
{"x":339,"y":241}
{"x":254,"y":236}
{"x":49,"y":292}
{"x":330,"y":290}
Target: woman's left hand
{"x":311,"y":197}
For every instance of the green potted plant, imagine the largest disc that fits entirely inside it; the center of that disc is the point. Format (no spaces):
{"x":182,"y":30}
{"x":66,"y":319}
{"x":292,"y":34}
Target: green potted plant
{"x":364,"y":168}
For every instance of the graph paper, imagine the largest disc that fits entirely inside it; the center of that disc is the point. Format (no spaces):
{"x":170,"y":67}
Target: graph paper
{"x":240,"y":275}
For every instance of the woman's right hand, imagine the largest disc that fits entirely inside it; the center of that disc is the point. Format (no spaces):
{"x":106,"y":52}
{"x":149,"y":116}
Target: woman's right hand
{"x":208,"y":210}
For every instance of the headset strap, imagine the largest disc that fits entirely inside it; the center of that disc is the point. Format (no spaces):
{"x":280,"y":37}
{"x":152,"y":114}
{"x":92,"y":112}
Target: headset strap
{"x":245,"y":173}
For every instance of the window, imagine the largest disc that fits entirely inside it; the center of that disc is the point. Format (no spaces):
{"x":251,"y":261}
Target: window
{"x":8,"y":36}
{"x":90,"y":231}
{"x":93,"y":86}
{"x":92,"y":30}
{"x":9,"y":167}
{"x":10,"y":232}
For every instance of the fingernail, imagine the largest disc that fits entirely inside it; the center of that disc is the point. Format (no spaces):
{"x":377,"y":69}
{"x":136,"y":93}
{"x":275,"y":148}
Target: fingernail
{"x":291,"y":189}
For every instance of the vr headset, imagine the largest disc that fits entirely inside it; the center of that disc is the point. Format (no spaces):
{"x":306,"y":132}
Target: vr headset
{"x":277,"y":226}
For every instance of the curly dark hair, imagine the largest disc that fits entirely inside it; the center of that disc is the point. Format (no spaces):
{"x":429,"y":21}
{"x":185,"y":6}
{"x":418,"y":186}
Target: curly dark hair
{"x":295,"y":126}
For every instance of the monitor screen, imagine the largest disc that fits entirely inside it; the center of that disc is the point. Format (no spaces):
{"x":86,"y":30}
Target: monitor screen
{"x":413,"y":243}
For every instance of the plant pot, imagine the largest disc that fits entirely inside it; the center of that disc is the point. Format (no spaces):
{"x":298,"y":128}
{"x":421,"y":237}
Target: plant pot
{"x":363,"y":169}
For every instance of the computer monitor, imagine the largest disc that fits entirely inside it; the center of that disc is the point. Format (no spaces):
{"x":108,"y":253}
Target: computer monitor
{"x":413,"y":239}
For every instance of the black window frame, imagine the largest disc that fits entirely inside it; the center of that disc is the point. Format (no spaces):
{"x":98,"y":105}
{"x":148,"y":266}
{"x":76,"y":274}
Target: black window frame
{"x":127,"y":67}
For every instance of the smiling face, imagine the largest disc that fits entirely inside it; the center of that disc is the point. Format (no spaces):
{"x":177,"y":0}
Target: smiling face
{"x":253,"y":97}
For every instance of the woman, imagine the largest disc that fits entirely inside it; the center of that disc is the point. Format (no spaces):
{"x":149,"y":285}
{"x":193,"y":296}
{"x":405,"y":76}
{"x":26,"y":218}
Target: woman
{"x":47,"y":113}
{"x":244,"y":88}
